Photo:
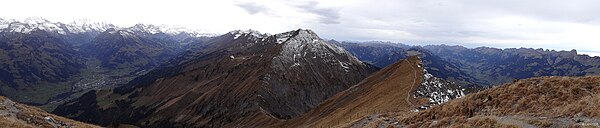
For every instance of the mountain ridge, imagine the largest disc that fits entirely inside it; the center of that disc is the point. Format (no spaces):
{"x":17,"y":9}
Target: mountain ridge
{"x":244,"y":75}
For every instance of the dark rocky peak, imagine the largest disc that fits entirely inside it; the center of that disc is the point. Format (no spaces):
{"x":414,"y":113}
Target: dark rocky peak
{"x":568,"y":54}
{"x":307,"y":39}
{"x":297,"y":44}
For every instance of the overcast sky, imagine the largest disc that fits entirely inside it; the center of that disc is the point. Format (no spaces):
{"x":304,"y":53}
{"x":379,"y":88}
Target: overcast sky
{"x":551,"y":24}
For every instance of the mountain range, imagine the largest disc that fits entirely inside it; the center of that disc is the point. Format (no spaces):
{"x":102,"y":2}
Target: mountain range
{"x":222,"y":86}
{"x":163,"y":76}
{"x":482,"y":66}
{"x":44,"y":62}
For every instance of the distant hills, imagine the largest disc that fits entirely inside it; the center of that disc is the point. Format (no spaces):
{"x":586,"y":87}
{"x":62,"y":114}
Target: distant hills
{"x":481,"y":66}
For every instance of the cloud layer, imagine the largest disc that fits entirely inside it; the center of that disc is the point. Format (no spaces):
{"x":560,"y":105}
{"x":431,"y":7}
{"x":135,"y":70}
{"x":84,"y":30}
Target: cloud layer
{"x":553,"y":24}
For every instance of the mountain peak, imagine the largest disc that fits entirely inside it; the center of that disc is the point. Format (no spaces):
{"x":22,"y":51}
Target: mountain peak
{"x":249,"y":32}
{"x":35,"y":20}
{"x":307,"y":38}
{"x":87,"y":25}
{"x":306,"y":32}
{"x":147,"y":28}
{"x":168,"y":29}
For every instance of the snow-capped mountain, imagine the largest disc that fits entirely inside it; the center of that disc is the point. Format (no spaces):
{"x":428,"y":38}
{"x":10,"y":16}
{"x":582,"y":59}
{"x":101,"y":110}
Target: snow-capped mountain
{"x":81,"y":55}
{"x":86,"y":25}
{"x":170,"y":30}
{"x":28,"y":25}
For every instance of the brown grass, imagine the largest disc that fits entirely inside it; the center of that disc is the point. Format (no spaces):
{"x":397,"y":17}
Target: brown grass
{"x":6,"y":122}
{"x":383,"y":91}
{"x":540,"y":123}
{"x":544,"y":96}
{"x":34,"y":117}
{"x":463,"y":122}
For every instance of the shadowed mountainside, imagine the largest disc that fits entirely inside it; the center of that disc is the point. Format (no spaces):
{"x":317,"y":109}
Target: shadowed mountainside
{"x":388,"y":90}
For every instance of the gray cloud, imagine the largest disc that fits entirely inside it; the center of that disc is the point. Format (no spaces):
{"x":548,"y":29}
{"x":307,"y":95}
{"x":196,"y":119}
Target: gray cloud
{"x":253,"y":8}
{"x":326,"y":15}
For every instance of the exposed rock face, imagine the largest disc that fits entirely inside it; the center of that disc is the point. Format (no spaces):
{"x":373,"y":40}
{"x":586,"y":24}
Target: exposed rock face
{"x":243,"y":78}
{"x":297,"y":74}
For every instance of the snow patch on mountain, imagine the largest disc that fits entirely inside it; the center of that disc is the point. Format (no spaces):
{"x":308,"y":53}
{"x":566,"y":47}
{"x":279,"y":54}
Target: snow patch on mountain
{"x":86,"y":25}
{"x":437,"y":90}
{"x":254,"y":35}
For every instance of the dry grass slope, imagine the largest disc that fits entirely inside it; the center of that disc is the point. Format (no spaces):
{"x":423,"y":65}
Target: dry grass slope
{"x":15,"y":115}
{"x":541,"y":102}
{"x":387,"y":90}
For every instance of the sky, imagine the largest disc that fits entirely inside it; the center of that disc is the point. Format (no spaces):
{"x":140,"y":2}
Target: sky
{"x":549,"y":24}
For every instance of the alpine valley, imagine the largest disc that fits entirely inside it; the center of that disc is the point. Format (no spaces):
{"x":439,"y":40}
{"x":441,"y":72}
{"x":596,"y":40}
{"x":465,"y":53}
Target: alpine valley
{"x":91,"y":74}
